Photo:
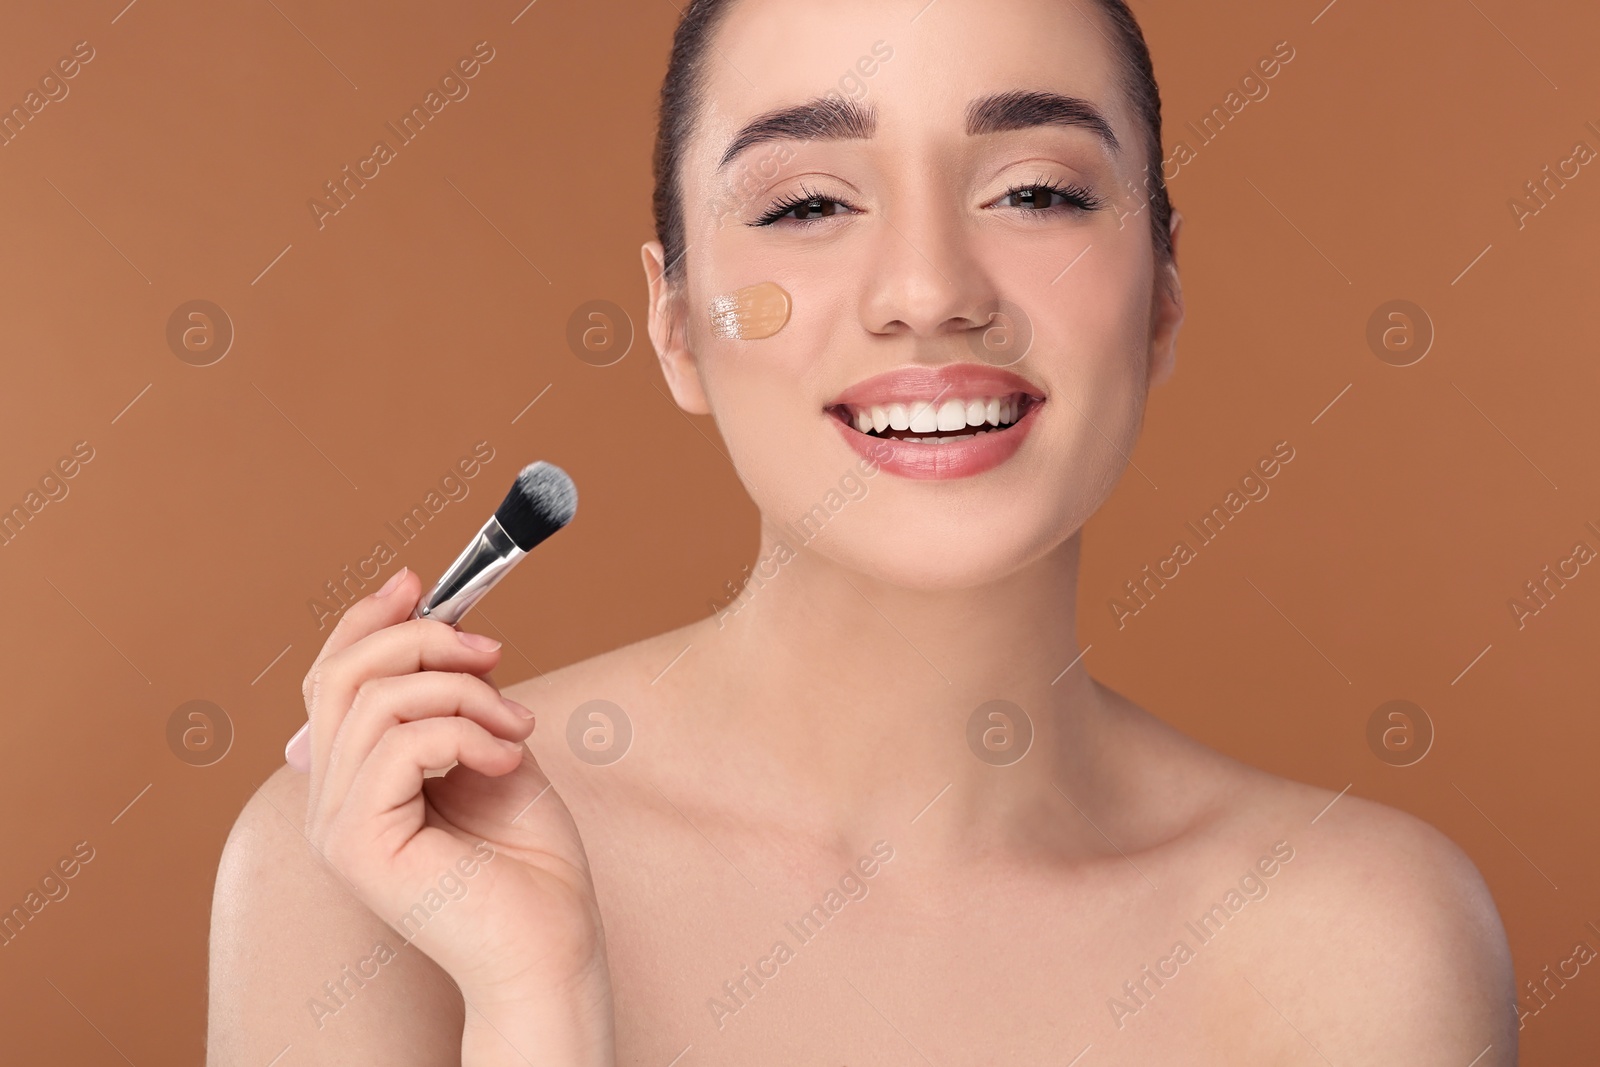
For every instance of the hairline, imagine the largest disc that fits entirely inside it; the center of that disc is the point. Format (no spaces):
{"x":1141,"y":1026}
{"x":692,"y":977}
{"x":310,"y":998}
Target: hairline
{"x":1127,"y":79}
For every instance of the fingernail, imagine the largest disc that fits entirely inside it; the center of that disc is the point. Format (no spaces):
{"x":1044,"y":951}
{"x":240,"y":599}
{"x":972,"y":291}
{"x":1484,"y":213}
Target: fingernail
{"x":392,"y":584}
{"x":479,"y":642}
{"x":512,"y":746}
{"x":297,"y":753}
{"x":526,"y":713}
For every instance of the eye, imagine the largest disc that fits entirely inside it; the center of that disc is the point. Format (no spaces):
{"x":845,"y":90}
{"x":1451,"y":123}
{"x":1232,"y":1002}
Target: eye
{"x":804,"y":207}
{"x":1042,"y":197}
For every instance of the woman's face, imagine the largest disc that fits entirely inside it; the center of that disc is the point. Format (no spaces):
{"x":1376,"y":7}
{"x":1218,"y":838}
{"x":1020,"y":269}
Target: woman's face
{"x":925,"y":239}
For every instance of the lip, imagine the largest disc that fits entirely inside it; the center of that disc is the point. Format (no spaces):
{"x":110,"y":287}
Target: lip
{"x":925,"y":462}
{"x":910,"y":384}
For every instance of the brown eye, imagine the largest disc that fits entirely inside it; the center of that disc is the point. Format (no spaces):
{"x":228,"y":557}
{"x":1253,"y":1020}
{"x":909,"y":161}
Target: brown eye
{"x":1041,"y":197}
{"x":814,"y":209}
{"x":804,"y":207}
{"x":1037,"y":198}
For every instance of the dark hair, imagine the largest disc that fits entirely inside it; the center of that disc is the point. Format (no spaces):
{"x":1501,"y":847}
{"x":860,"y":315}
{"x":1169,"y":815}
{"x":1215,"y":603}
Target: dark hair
{"x":682,"y":91}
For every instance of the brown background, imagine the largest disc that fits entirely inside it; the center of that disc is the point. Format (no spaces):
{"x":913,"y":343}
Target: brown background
{"x":215,"y":507}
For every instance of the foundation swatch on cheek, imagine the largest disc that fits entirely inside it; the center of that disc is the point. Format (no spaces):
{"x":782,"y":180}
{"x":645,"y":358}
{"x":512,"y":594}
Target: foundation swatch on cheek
{"x":751,"y":313}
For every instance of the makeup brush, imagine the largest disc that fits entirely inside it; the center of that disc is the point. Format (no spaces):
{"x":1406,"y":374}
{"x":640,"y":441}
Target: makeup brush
{"x":541,"y":501}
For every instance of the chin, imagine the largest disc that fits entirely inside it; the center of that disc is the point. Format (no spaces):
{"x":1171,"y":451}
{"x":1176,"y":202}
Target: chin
{"x":900,"y":544}
{"x":889,"y":521}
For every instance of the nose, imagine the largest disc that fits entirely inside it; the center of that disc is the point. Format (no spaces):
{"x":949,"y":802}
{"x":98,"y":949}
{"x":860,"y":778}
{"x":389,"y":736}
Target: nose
{"x":922,"y":278}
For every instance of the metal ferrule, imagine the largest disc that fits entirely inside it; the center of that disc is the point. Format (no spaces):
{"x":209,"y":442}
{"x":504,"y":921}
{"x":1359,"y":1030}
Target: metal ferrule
{"x":486,"y":560}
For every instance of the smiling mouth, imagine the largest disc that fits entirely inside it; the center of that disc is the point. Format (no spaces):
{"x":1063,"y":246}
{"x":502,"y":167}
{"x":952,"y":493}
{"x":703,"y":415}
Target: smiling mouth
{"x":937,"y":421}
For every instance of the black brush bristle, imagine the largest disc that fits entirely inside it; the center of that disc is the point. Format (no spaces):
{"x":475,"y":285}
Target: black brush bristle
{"x":541,"y":502}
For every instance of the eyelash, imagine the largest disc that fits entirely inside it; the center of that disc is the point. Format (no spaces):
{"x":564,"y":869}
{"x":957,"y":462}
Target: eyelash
{"x":1077,"y":197}
{"x":780,"y":208}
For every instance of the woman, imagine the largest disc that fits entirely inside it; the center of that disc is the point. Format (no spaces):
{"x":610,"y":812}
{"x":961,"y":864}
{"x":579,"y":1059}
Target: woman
{"x":875,"y":811}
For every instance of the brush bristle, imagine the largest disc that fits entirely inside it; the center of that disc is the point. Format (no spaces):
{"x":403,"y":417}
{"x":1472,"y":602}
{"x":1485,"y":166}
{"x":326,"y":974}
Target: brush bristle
{"x":541,"y":502}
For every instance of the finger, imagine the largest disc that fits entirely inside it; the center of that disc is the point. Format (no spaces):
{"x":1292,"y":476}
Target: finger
{"x":391,"y":603}
{"x":384,"y":703}
{"x":403,"y":648}
{"x":297,"y":752}
{"x":373,"y":817}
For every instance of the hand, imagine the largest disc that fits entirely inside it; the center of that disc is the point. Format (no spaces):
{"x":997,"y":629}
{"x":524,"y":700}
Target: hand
{"x":481,"y":868}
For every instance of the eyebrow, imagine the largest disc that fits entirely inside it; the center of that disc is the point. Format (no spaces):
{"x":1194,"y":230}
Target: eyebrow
{"x":820,"y":119}
{"x":834,"y":119}
{"x":1024,"y":109}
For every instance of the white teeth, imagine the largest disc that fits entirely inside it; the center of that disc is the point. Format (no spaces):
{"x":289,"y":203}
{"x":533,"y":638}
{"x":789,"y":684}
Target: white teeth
{"x":926,"y":416}
{"x":924,"y":419}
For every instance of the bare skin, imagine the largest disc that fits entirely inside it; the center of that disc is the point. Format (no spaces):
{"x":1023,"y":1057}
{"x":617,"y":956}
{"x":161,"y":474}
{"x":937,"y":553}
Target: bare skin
{"x":1002,"y":929}
{"x":1012,"y":914}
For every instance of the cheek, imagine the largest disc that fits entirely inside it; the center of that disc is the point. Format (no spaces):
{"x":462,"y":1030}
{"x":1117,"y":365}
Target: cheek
{"x":760,"y":390}
{"x":1091,"y":332}
{"x":767,"y":395}
{"x":1096,"y":341}
{"x":1085,"y":297}
{"x":1106,"y":314}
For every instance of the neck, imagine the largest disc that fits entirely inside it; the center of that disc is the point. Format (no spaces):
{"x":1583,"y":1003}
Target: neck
{"x":854,"y":700}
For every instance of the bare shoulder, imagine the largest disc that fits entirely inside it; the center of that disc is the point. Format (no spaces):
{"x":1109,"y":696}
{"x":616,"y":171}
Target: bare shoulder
{"x":588,"y":712}
{"x":298,"y":962}
{"x":1398,"y":905}
{"x":1381,"y":942}
{"x":1359,"y":925}
{"x":624,"y":672}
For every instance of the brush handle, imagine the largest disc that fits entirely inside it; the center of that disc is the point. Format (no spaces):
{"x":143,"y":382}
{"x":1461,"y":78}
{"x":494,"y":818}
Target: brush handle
{"x":481,"y":565}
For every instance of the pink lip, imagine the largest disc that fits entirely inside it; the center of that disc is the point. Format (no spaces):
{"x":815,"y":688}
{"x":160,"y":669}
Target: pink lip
{"x":959,"y":459}
{"x":925,"y":383}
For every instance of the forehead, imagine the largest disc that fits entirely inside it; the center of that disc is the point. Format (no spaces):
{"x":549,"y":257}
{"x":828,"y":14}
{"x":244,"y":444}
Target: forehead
{"x":771,"y":54}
